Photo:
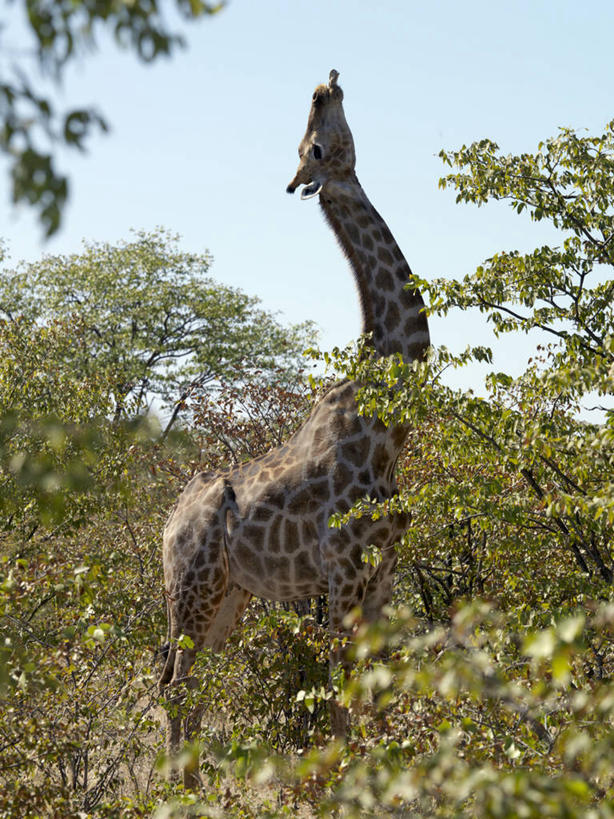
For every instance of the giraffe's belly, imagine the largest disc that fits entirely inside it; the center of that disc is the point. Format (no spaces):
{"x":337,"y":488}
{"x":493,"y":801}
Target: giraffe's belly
{"x":281,"y":585}
{"x":290,"y":559}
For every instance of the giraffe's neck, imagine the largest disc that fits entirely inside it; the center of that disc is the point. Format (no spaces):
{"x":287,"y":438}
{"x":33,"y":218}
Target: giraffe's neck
{"x":391,"y":312}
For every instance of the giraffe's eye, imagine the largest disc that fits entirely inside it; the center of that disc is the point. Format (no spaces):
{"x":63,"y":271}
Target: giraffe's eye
{"x":317,"y":152}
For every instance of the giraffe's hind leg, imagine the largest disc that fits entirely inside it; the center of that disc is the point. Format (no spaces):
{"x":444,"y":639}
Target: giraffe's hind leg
{"x":228,"y":616}
{"x":183,"y":720}
{"x":196,"y":578}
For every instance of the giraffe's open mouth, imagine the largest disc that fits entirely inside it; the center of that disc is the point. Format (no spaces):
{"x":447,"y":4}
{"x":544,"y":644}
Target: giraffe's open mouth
{"x":310,"y":189}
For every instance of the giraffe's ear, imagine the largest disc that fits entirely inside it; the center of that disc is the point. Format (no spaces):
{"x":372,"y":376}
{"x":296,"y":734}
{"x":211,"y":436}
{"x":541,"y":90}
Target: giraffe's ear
{"x":312,"y":189}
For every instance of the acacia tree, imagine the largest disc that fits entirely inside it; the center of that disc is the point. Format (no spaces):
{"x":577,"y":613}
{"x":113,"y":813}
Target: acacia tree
{"x":154,"y":318}
{"x":31,"y":129}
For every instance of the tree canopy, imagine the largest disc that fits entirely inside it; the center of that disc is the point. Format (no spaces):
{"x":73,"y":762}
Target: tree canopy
{"x":152,"y":319}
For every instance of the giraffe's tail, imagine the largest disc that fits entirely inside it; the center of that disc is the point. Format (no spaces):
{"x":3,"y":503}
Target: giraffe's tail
{"x":168,"y":652}
{"x":169,"y":666}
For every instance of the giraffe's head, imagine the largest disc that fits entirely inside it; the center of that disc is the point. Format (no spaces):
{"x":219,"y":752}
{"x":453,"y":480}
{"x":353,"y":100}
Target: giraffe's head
{"x":327,"y":150}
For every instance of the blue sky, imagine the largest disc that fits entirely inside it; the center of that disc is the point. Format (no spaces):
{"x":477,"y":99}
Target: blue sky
{"x":204,"y":144}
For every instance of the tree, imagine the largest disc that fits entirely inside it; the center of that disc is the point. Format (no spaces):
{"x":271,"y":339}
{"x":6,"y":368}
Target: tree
{"x":520,"y":478}
{"x":153,"y":318}
{"x":31,"y":128}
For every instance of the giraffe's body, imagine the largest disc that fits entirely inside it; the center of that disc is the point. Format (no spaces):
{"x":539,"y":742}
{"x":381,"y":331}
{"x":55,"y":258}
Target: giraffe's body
{"x":261,"y":528}
{"x":273,"y":511}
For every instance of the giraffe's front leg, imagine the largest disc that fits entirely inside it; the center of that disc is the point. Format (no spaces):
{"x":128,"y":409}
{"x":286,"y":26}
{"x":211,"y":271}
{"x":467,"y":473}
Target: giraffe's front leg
{"x":378,"y":593}
{"x":343,"y":596}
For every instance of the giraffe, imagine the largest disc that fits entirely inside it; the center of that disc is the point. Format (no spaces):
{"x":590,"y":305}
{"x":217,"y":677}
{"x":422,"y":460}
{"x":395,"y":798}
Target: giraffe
{"x":261,"y":527}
